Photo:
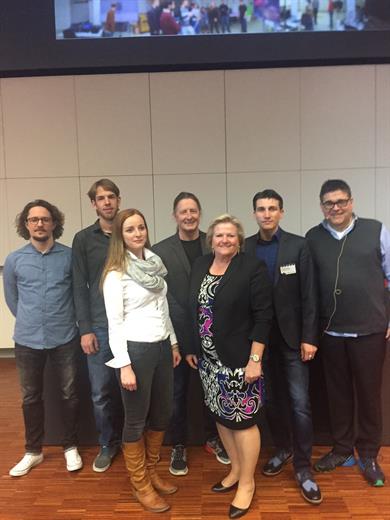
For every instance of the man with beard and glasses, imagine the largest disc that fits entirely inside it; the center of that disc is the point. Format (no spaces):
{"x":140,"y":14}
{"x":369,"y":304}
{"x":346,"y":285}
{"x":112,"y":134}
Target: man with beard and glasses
{"x":38,"y":291}
{"x":90,"y":247}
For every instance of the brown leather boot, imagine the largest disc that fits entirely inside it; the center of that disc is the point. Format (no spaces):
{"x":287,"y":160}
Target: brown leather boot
{"x":153,"y":441}
{"x":134,"y":454}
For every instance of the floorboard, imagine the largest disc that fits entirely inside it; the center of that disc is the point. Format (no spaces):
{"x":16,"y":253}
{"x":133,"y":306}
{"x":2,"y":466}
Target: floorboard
{"x":49,"y":492}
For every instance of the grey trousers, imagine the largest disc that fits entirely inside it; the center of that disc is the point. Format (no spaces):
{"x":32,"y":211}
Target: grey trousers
{"x":150,"y":406}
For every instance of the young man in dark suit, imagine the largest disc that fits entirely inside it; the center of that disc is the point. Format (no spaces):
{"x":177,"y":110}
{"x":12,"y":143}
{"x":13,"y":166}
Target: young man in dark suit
{"x":293,"y":341}
{"x":178,"y":252}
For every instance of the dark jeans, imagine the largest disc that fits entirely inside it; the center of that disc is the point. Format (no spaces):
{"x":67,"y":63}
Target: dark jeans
{"x":288,"y":406}
{"x":179,"y":422}
{"x":354,"y":363}
{"x":31,"y":364}
{"x":225,"y":23}
{"x":151,"y":404}
{"x":105,"y":393}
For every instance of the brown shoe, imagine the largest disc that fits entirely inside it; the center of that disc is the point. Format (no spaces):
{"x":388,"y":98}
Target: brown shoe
{"x":134,"y":454}
{"x":153,"y":441}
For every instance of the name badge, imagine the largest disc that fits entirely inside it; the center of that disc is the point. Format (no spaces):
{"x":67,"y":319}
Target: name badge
{"x":288,"y":269}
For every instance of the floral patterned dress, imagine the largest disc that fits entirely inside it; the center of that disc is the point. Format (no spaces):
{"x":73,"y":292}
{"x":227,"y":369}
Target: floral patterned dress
{"x":231,"y":401}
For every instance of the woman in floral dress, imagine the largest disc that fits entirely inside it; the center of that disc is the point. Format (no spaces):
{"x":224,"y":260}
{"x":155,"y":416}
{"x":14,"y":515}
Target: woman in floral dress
{"x":231,"y":303}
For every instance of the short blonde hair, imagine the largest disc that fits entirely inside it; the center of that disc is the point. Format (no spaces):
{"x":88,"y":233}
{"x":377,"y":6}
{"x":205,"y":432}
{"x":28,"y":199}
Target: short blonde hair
{"x":226,"y":219}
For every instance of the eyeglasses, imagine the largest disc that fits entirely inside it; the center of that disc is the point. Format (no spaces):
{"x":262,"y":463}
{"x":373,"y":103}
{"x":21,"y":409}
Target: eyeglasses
{"x":35,"y":220}
{"x":341,"y":203}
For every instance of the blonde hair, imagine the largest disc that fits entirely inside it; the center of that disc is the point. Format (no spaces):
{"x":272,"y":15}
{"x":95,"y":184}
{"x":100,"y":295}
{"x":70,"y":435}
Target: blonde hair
{"x":226,"y":219}
{"x":117,"y":257}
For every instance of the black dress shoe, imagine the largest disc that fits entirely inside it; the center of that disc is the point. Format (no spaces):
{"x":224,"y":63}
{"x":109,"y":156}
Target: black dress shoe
{"x":236,"y":512}
{"x":220,"y":488}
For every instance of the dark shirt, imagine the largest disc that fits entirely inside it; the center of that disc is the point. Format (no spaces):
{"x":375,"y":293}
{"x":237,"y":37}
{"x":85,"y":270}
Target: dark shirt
{"x":192,"y":249}
{"x":38,"y":292}
{"x":90,"y":246}
{"x":154,"y":19}
{"x":213,"y":14}
{"x":267,"y":250}
{"x":242,"y":10}
{"x":224,"y":9}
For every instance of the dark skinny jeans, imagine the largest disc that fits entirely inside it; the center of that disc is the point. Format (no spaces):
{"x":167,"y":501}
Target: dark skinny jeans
{"x":150,"y":406}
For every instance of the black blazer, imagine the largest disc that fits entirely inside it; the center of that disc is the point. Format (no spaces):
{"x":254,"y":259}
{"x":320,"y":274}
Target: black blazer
{"x":242,"y":310}
{"x":294,"y":293}
{"x":172,"y":253}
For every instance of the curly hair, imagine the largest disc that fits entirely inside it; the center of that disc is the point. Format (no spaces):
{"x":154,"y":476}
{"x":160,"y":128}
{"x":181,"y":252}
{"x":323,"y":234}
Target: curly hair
{"x":57,"y":216}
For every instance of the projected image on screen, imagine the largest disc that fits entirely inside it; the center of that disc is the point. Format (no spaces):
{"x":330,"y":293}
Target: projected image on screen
{"x":137,"y":18}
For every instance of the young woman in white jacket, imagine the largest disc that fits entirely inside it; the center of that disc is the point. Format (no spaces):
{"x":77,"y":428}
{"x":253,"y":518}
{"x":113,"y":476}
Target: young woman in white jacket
{"x":145,"y":351}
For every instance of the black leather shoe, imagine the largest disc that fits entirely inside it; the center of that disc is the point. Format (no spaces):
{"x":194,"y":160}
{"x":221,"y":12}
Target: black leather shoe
{"x":220,"y":488}
{"x":236,"y":512}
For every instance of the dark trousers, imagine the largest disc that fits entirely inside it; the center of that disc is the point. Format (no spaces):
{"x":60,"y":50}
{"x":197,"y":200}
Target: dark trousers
{"x":151,"y":404}
{"x":288,"y":406}
{"x":354,"y":363}
{"x":31,"y":364}
{"x":179,"y":422}
{"x":105,"y":393}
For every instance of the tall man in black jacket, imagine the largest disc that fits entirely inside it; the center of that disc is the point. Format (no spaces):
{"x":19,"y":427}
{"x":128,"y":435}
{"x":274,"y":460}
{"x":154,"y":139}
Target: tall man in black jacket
{"x":178,"y":252}
{"x":293,"y":341}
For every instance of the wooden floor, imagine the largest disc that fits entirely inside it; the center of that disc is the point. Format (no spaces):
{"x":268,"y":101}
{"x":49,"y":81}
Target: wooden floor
{"x":49,"y":492}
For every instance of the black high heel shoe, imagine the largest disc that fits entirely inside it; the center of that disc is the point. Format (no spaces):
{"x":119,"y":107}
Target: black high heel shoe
{"x":237,"y":512}
{"x":220,"y":488}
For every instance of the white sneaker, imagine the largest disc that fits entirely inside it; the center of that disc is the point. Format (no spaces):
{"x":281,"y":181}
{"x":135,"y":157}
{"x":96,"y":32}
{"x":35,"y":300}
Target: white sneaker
{"x":28,"y":462}
{"x":73,"y":459}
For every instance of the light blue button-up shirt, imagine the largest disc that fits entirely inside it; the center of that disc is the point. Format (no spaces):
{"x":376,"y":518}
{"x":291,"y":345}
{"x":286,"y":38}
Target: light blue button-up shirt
{"x":38,"y":292}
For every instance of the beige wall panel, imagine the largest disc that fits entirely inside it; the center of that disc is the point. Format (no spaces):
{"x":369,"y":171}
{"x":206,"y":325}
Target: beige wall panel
{"x":362,"y":183}
{"x":383,"y":115}
{"x":188,"y":122}
{"x":136,"y":192}
{"x":63,"y":193}
{"x":243,"y":186}
{"x":6,"y":321}
{"x":262,"y":120}
{"x":40,"y":127}
{"x":113,"y":117}
{"x":338,"y":117}
{"x":4,"y":230}
{"x":382,"y":206}
{"x":209,"y":188}
{"x":2,"y":169}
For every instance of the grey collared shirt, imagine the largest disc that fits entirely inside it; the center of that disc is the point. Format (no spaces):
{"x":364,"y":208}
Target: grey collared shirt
{"x":38,"y":292}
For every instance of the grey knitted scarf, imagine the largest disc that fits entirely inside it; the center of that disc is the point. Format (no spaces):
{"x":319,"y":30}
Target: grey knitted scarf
{"x":147,"y":273}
